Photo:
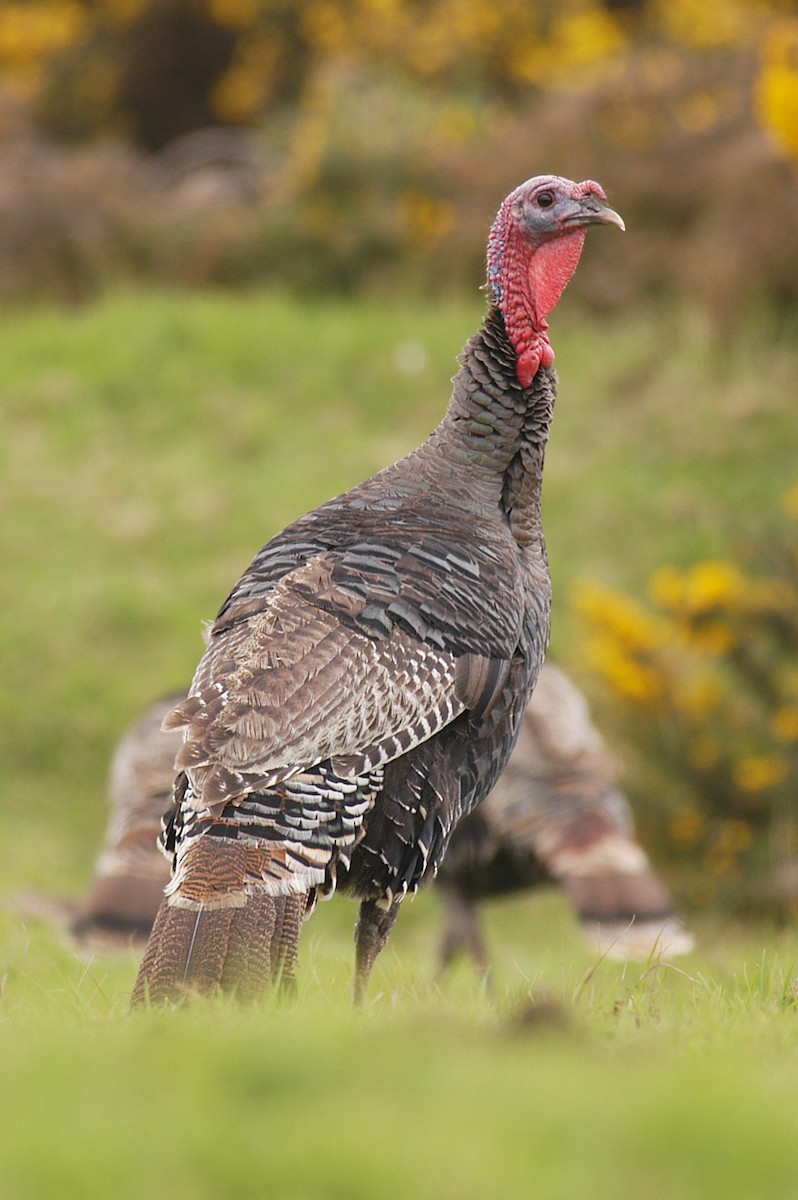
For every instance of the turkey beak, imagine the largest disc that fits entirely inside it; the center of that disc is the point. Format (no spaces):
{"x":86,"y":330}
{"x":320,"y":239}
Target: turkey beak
{"x":591,"y":210}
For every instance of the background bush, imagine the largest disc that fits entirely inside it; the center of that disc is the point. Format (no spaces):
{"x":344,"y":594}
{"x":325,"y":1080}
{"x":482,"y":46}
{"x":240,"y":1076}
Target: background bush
{"x":361,"y":143}
{"x":704,"y":680}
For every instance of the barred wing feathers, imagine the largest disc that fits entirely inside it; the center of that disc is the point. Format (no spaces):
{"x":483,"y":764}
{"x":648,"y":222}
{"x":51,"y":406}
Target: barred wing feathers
{"x":309,"y":687}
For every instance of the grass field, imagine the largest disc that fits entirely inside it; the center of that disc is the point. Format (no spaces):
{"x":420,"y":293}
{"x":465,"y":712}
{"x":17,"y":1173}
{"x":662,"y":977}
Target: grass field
{"x":151,"y":444}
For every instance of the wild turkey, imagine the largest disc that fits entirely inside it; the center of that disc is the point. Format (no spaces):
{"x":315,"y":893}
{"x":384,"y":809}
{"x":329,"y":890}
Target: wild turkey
{"x":556,"y":814}
{"x":130,"y":874}
{"x":364,"y":681}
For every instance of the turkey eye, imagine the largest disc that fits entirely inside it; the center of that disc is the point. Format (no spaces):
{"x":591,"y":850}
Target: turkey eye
{"x":545,"y":199}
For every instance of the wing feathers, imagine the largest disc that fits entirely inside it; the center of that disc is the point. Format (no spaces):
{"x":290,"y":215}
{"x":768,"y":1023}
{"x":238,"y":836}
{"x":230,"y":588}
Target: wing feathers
{"x":479,"y":681}
{"x":298,"y":684}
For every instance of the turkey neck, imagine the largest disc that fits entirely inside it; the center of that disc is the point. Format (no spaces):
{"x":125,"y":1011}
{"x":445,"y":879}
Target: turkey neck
{"x":495,"y":431}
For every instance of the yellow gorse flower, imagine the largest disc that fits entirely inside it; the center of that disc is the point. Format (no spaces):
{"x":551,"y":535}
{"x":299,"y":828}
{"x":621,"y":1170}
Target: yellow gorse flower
{"x":32,"y":32}
{"x":629,"y":679}
{"x":777,"y":86}
{"x":758,"y":772}
{"x":706,"y":23}
{"x":784,"y":723}
{"x":701,"y":589}
{"x":621,"y":617}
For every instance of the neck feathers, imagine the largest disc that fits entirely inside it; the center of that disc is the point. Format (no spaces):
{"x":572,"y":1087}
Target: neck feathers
{"x":492,"y":418}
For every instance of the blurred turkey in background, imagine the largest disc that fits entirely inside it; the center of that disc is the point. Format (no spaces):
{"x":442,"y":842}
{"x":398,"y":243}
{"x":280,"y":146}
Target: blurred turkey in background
{"x":557,"y":815}
{"x":131,"y":872}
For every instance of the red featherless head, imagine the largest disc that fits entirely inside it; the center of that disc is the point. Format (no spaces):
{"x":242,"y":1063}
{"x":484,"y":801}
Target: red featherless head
{"x":533,"y":251}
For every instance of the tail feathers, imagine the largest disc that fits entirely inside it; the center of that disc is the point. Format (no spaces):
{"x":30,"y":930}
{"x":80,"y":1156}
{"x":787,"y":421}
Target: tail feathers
{"x":285,"y":940}
{"x":241,"y":950}
{"x":247,"y":966}
{"x":186,"y":951}
{"x":217,"y":930}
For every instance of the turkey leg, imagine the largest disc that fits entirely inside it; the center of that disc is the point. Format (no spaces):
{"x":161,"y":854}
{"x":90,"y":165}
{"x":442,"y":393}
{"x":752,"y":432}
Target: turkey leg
{"x":371,"y":933}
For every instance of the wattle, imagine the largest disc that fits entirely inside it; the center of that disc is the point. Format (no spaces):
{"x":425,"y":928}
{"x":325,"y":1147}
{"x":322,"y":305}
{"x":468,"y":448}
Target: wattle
{"x":532,"y":280}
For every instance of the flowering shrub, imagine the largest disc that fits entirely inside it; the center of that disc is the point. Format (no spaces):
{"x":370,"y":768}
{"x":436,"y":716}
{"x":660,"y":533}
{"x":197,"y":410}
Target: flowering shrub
{"x":777,"y":84}
{"x":33,"y":35}
{"x":378,"y":133}
{"x":249,"y":57}
{"x":704,"y":674}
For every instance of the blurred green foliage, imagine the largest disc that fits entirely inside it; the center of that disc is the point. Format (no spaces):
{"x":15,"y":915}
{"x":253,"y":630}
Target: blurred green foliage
{"x":574,"y":1078}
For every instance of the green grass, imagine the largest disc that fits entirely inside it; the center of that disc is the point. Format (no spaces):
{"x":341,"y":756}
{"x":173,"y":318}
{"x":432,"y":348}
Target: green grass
{"x":151,"y":444}
{"x":573,"y":1078}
